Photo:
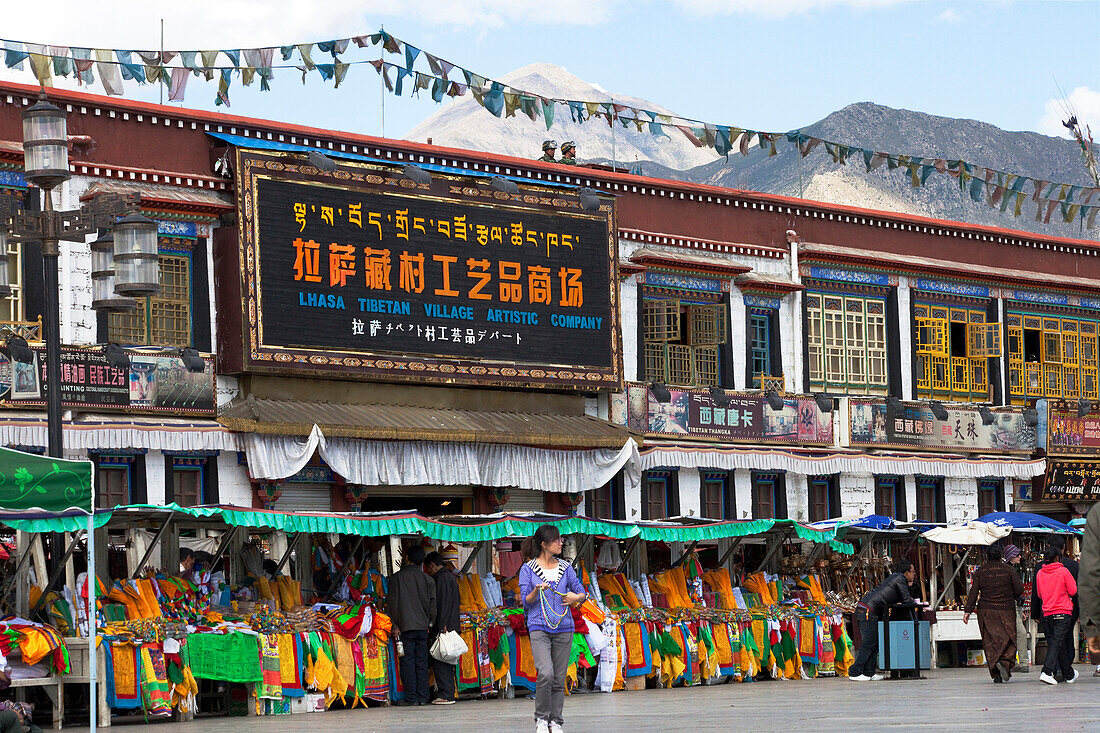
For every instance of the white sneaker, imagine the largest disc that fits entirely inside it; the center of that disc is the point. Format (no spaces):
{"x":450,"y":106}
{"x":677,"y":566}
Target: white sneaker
{"x":860,"y":678}
{"x":1048,"y":679}
{"x":556,"y":728}
{"x":542,"y":727}
{"x":1076,"y":676}
{"x":877,"y":677}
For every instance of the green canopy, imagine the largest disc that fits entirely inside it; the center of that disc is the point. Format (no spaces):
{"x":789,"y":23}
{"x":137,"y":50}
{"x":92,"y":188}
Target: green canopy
{"x":34,"y":482}
{"x":58,"y":523}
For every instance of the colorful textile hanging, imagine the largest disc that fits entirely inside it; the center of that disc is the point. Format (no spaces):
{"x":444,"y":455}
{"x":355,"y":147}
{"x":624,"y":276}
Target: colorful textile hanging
{"x":639,"y":657}
{"x":156,"y":696}
{"x":233,"y":657}
{"x":376,"y":684}
{"x":123,"y":690}
{"x":271,"y":680}
{"x":521,"y":663}
{"x":290,"y":665}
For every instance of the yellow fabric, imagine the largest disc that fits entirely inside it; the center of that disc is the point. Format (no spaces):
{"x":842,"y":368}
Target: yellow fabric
{"x":467,"y":663}
{"x":843,"y":661}
{"x":381,"y":626}
{"x":148,"y":591}
{"x":290,"y":592}
{"x":288,"y":668}
{"x":466,"y":602}
{"x":345,"y":664}
{"x":671,"y":583}
{"x":323,"y":671}
{"x":620,"y":681}
{"x":34,"y":645}
{"x":628,"y":591}
{"x":474,"y":581}
{"x":719,"y":582}
{"x":263,"y":588}
{"x":755,"y":583}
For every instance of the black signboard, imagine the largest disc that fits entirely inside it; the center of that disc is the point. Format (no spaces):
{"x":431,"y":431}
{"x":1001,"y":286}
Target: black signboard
{"x":1072,"y":481}
{"x":152,"y":383}
{"x":367,"y":273}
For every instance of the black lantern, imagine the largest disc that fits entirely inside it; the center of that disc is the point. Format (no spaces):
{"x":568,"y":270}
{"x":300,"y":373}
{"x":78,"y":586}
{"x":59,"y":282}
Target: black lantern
{"x":45,"y":145}
{"x":5,"y":275}
{"x":135,"y":263}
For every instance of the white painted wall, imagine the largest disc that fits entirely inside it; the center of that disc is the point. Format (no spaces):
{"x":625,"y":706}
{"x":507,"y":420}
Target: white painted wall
{"x":857,"y":494}
{"x":690,"y":485}
{"x":154,"y":477}
{"x":906,"y":342}
{"x":738,"y":333}
{"x":911,"y":498}
{"x":798,"y":496}
{"x":961,"y":499}
{"x":233,"y":485}
{"x":790,"y":339}
{"x":628,"y":309}
{"x":742,"y":493}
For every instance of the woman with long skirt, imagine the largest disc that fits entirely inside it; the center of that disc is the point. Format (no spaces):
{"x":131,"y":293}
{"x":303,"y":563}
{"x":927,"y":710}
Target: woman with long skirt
{"x":994,"y":590}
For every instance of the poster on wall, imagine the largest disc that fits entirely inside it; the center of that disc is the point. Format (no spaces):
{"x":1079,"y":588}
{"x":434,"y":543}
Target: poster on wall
{"x":734,"y":417}
{"x":1072,"y":481}
{"x":874,"y":423}
{"x":1068,"y":434}
{"x":153,"y":383}
{"x":360,"y":271}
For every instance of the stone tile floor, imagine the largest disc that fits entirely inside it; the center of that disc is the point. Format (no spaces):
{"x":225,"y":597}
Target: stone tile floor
{"x":948,"y":699}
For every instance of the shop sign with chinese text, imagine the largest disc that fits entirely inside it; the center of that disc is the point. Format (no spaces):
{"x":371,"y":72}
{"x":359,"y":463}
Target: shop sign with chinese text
{"x":359,"y":271}
{"x":1068,"y":434}
{"x":152,"y":383}
{"x":874,"y":423}
{"x":735,"y":417}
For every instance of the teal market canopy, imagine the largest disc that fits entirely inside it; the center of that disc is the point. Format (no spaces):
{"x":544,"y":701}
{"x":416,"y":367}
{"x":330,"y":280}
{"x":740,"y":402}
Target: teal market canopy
{"x":32,"y":482}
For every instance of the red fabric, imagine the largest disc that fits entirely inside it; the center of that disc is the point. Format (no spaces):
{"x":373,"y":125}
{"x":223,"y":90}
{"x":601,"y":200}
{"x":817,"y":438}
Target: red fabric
{"x":1056,"y":588}
{"x":580,"y":624}
{"x":518,"y":622}
{"x":492,"y":636}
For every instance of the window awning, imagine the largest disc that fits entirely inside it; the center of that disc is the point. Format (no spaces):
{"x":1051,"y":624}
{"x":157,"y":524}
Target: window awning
{"x":96,"y":432}
{"x":408,"y":422}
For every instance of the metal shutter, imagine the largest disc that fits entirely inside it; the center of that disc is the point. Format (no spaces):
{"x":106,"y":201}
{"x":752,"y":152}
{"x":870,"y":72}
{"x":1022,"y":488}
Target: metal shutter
{"x":305,"y":498}
{"x":524,"y":500}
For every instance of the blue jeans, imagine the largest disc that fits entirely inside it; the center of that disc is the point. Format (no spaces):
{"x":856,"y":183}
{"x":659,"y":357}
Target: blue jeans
{"x":866,"y":661}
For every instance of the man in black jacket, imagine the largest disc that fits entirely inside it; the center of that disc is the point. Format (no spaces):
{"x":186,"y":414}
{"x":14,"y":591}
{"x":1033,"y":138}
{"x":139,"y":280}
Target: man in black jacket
{"x":411,"y":607}
{"x":446,"y":619}
{"x":895,"y":589}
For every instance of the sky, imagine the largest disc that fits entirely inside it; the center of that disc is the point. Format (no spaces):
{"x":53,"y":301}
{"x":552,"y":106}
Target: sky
{"x":762,"y":64}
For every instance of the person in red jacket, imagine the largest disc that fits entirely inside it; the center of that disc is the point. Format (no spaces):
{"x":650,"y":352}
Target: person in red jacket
{"x":1056,"y":588}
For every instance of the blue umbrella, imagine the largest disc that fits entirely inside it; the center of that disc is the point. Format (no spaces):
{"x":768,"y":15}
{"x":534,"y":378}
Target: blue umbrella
{"x":1027,"y":522}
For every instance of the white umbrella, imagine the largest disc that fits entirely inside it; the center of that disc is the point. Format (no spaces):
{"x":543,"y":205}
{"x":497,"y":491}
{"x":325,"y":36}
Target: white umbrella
{"x":971,"y":533}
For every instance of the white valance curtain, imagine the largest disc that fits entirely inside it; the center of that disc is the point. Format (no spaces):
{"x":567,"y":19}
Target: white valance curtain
{"x":829,"y":463}
{"x":412,"y":463}
{"x":100,"y":433}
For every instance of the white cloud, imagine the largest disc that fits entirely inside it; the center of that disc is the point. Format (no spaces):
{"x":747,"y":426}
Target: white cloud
{"x":250,"y":23}
{"x":1082,"y":101}
{"x":949,"y":16}
{"x":775,"y":8}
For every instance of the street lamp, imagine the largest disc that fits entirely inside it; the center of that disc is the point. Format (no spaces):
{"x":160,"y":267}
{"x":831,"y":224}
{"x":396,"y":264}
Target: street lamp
{"x":104,"y":297}
{"x":135,"y":257}
{"x":46,"y":165}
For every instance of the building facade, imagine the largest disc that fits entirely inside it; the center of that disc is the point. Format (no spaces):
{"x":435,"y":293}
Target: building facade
{"x":773,"y":357}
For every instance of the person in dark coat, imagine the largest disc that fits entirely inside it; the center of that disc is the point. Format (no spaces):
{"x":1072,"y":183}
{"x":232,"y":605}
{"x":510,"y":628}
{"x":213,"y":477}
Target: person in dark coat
{"x":410,"y":604}
{"x":994,"y":590}
{"x":446,"y":619}
{"x":895,"y":589}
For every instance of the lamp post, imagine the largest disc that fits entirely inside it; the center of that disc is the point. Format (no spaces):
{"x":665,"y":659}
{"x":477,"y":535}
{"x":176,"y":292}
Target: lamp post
{"x":133,"y":253}
{"x":129,"y":267}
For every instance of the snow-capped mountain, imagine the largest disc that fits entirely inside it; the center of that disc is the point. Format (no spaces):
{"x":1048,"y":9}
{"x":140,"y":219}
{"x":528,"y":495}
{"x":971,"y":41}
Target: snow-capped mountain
{"x":465,"y":124}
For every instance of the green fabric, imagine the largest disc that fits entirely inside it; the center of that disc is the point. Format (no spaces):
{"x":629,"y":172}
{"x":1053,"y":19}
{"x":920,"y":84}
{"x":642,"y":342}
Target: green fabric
{"x":231,"y":657}
{"x":580,"y":650}
{"x":28,"y":481}
{"x":716,"y":531}
{"x":58,"y":524}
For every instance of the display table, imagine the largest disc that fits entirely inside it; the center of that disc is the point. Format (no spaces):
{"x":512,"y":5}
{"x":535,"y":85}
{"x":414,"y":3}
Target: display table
{"x":949,"y":626}
{"x":54,"y":689}
{"x":78,"y":674}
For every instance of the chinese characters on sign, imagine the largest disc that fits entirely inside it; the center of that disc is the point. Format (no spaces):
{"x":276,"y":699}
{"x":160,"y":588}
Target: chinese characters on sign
{"x":875,"y":423}
{"x":1068,"y":434}
{"x":369,"y":269}
{"x":733,"y":417}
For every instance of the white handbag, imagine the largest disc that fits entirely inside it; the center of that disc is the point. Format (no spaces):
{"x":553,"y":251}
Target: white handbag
{"x":448,"y":647}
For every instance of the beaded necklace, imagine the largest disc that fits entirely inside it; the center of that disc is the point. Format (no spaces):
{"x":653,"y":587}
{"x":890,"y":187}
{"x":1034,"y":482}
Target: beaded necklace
{"x":547,"y":611}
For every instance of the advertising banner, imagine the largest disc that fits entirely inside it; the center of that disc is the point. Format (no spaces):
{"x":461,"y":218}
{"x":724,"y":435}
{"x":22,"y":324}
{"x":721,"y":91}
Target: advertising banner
{"x":1072,"y":481}
{"x":874,"y":423}
{"x":734,"y":417}
{"x":363,"y":272}
{"x":153,"y":383}
{"x":1068,"y":434}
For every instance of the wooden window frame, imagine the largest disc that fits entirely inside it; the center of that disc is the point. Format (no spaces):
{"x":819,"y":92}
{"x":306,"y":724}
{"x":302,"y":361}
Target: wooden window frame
{"x":848,"y":343}
{"x":666,"y":324}
{"x":144,"y":325}
{"x":991,"y":496}
{"x":894,"y":486}
{"x":722,"y":482}
{"x":772,"y":483}
{"x":760,"y":349}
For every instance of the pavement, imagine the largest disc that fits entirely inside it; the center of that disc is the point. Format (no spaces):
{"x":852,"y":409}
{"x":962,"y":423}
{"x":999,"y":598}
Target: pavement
{"x":955,"y":699}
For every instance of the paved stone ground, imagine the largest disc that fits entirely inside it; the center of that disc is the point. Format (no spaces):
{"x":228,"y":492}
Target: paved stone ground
{"x":954,"y":699}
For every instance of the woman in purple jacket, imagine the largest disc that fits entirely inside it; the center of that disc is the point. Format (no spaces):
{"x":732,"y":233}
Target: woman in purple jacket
{"x":548,"y":586}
